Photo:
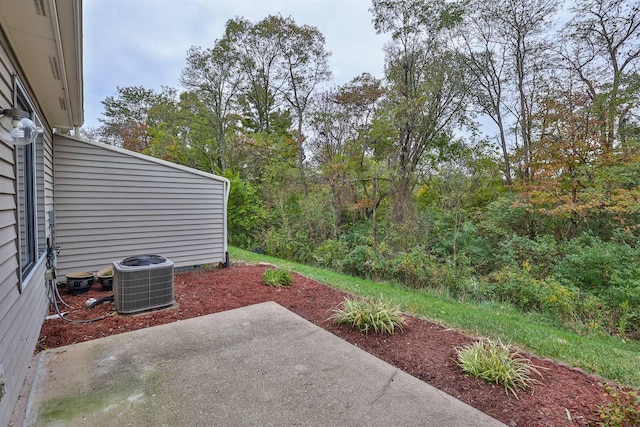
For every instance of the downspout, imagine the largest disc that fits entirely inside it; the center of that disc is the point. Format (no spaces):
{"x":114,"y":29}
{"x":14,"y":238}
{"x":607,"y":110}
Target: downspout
{"x":227,"y":188}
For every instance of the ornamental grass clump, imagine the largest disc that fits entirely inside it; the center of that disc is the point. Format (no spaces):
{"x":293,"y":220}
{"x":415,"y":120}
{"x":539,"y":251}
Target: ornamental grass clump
{"x":369,"y":315}
{"x":498,"y":363}
{"x":277,"y":277}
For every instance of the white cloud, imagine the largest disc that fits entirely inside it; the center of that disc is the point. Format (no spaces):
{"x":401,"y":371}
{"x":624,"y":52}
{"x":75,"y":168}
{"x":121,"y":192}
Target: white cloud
{"x":144,"y":42}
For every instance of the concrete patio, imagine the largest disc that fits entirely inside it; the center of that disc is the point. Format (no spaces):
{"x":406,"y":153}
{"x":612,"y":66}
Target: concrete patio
{"x":256,"y":366}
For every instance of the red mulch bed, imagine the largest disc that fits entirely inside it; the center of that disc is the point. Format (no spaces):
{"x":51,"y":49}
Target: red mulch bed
{"x":424,"y":349}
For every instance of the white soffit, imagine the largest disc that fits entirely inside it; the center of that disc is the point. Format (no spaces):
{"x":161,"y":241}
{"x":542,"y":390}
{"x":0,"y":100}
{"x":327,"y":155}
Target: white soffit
{"x":46,"y":36}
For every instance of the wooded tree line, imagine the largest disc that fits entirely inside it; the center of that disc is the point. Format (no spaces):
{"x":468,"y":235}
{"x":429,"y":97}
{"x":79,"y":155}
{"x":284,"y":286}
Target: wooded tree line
{"x":497,"y":158}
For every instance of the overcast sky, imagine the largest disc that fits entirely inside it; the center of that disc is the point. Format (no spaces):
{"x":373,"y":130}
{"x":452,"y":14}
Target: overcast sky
{"x":144,"y":42}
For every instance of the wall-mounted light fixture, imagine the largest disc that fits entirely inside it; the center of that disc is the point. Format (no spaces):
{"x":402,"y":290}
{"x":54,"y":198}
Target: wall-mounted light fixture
{"x":23,"y":130}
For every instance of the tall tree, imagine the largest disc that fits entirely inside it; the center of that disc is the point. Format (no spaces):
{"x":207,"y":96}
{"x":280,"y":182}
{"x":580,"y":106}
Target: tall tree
{"x":211,"y":75}
{"x":125,"y":116}
{"x":604,"y":53}
{"x":166,"y":126}
{"x":341,"y":145}
{"x":426,"y":86}
{"x":487,"y":59}
{"x":577,"y":182}
{"x":522,"y":24}
{"x":564,"y":157}
{"x":255,"y":48}
{"x":505,"y":51}
{"x":303,"y":66}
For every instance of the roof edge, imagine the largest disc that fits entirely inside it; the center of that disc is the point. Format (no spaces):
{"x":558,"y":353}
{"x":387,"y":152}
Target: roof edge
{"x":68,"y":26}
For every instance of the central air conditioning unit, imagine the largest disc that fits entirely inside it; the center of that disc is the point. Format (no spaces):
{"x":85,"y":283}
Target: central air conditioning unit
{"x":142,"y":282}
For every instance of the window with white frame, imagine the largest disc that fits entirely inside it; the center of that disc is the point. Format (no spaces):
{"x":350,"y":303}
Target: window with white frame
{"x":29,"y":190}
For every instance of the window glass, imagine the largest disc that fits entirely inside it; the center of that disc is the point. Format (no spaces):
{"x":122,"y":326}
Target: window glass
{"x":28,"y":191}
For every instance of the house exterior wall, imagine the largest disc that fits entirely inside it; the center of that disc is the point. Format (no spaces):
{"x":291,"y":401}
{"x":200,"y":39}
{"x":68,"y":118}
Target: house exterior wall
{"x":112,"y":203}
{"x":23,"y":302}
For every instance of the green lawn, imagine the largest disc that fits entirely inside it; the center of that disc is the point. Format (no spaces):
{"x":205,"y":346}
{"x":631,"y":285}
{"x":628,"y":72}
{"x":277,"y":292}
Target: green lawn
{"x":610,"y":357}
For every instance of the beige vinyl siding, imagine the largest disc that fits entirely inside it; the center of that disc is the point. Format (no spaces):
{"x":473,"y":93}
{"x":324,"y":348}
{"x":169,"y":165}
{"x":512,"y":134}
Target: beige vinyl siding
{"x":111,"y":204}
{"x":21,"y":313}
{"x":19,"y":330}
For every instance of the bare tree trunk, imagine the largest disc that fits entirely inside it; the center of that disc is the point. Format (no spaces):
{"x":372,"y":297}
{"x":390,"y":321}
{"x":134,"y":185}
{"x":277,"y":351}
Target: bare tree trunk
{"x":402,"y":208}
{"x":505,"y":153}
{"x":300,"y":157}
{"x":524,"y":112}
{"x":374,"y":224}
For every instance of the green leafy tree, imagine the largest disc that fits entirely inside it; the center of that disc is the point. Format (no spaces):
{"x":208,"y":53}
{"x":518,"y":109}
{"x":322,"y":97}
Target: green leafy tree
{"x":166,"y":126}
{"x":212,"y":78}
{"x":201,"y":134}
{"x":281,"y":64}
{"x":246,"y":213}
{"x":458,"y":189}
{"x":427,"y":88}
{"x":125,"y":116}
{"x":303,"y":67}
{"x":255,"y":48}
{"x":342,"y":147}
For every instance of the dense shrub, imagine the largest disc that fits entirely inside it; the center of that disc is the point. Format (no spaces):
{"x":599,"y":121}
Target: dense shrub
{"x":593,"y":265}
{"x":622,"y":411}
{"x":352,"y":253}
{"x":609,"y":271}
{"x":503,"y":217}
{"x":588,"y":283}
{"x":359,"y":234}
{"x":450,"y":237}
{"x":331,"y":254}
{"x":467,"y":286}
{"x":418,"y":269}
{"x":623,"y":303}
{"x":471,"y":248}
{"x":540,"y":253}
{"x":296,"y":247}
{"x":361,"y":261}
{"x":592,"y":314}
{"x":623,"y":299}
{"x":518,"y":287}
{"x":246,"y":213}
